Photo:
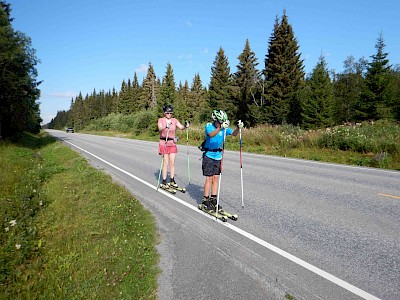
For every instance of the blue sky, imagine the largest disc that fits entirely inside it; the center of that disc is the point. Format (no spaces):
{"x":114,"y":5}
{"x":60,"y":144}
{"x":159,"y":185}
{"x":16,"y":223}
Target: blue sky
{"x":95,"y":44}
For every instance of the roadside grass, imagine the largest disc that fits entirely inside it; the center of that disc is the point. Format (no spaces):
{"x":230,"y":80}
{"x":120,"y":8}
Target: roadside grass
{"x":368,"y":144}
{"x":68,"y":231}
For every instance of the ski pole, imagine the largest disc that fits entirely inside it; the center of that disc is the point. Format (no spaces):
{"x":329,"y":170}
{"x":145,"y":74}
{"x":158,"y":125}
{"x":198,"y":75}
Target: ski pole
{"x":187,"y":150}
{"x":162,"y":160}
{"x":241,"y":165}
{"x":220,"y":172}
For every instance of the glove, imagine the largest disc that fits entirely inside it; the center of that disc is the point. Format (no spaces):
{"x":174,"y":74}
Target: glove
{"x":168,"y":124}
{"x":187,"y":124}
{"x":225,"y":124}
{"x":240,"y":124}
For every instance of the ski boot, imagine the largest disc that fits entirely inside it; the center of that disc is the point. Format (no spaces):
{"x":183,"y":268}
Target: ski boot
{"x":165,"y":186}
{"x":207,"y":207}
{"x":172,"y":184}
{"x":213,"y":201}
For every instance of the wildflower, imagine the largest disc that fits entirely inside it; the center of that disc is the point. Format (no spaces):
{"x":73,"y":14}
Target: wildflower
{"x":18,"y":246}
{"x":7,"y":229}
{"x":13,"y":222}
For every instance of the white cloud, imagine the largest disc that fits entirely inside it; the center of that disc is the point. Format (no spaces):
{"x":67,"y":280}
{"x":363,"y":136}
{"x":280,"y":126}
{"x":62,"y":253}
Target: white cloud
{"x":188,"y":23}
{"x":205,"y":51}
{"x":185,"y":57}
{"x":142,"y":68}
{"x":60,"y":95}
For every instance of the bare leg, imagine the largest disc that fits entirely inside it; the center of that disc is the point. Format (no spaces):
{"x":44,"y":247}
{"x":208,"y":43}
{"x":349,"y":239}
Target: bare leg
{"x":207,"y":185}
{"x":172,"y":164}
{"x":214,"y":187}
{"x":165,"y":166}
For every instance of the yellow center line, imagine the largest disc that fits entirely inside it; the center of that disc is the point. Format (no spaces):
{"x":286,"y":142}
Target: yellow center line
{"x":391,"y":196}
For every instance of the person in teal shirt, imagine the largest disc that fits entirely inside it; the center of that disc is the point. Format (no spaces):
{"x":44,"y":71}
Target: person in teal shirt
{"x":211,"y":164}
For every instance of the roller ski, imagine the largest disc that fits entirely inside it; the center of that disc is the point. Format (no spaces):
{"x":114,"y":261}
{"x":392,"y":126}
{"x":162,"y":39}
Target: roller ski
{"x":174,"y":186}
{"x":213,"y":202}
{"x":233,"y":217}
{"x":167,"y":188}
{"x":207,"y":207}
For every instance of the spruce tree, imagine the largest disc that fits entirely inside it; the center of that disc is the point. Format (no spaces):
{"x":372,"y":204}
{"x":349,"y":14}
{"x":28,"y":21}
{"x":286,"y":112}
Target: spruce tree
{"x":317,"y":108}
{"x":284,"y":75}
{"x":124,"y":105}
{"x":246,"y":81}
{"x":150,"y":89}
{"x":181,"y":101}
{"x":347,"y":89}
{"x":19,"y":109}
{"x":198,"y":108}
{"x":168,"y":90}
{"x":219,"y":91}
{"x":135,"y":94}
{"x":376,"y":99}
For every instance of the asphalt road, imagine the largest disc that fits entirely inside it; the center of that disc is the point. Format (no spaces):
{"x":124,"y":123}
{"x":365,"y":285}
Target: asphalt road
{"x":311,"y":230}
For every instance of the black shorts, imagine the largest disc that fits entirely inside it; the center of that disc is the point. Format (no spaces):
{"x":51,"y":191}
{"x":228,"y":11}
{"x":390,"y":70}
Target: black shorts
{"x":211,"y":166}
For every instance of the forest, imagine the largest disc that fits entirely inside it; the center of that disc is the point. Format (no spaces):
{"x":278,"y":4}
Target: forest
{"x":19,"y":92}
{"x":278,"y":92}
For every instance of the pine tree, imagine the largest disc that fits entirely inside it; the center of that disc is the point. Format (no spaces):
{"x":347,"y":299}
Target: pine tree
{"x":317,"y":108}
{"x":246,"y":81}
{"x":284,"y":75}
{"x":219,"y":91}
{"x":376,"y":99}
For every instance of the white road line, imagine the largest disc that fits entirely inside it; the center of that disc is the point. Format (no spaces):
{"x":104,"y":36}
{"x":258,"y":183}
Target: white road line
{"x":351,"y":288}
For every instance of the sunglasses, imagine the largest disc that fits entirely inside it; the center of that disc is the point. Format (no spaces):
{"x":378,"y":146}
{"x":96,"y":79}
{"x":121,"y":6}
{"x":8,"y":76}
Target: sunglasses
{"x":168,"y":113}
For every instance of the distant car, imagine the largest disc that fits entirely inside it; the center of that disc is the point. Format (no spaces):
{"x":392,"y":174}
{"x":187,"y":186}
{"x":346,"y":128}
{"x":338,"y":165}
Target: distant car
{"x":70,"y":130}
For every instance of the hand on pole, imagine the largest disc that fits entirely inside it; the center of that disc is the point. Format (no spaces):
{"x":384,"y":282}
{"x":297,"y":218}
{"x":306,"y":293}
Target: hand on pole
{"x":225,"y":124}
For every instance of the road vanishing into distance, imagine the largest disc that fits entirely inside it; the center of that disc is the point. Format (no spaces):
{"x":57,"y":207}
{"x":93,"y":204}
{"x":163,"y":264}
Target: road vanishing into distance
{"x":310,"y":230}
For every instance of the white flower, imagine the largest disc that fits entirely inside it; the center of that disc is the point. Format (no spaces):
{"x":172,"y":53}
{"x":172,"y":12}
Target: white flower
{"x":13,"y":222}
{"x":7,"y":229}
{"x":18,"y":246}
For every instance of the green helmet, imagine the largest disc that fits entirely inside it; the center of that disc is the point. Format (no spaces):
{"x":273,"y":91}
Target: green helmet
{"x":219,"y":115}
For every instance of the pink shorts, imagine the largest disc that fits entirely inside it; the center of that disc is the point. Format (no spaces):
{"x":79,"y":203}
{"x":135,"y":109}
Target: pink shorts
{"x":167,"y":149}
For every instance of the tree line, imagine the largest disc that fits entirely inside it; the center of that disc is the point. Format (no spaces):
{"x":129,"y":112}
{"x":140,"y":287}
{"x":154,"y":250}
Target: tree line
{"x":279,"y":92}
{"x":19,"y":109}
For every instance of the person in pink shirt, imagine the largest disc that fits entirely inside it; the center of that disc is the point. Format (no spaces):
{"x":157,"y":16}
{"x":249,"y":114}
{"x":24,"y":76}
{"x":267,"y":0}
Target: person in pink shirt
{"x":167,"y":146}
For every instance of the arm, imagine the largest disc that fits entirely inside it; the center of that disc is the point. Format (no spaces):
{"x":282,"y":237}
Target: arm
{"x":160,"y":125}
{"x":235,"y":132}
{"x":180,"y":126}
{"x":216,"y":130}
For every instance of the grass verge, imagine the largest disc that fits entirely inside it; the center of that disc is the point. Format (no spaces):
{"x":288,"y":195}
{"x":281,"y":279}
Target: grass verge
{"x":69,"y":232}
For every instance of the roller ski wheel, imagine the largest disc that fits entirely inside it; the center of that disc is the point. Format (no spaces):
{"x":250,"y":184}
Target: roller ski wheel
{"x":213,"y":213}
{"x":167,"y":188}
{"x":176,"y":187}
{"x":233,"y":217}
{"x":221,"y":211}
